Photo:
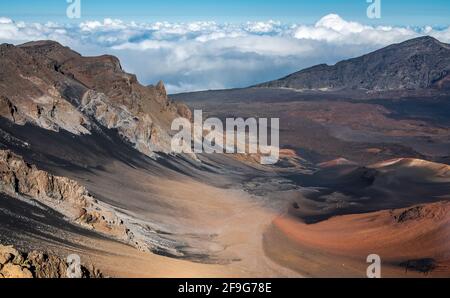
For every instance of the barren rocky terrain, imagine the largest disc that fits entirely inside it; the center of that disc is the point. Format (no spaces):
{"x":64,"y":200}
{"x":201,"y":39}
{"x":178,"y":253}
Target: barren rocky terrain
{"x":418,"y":63}
{"x":86,"y":168}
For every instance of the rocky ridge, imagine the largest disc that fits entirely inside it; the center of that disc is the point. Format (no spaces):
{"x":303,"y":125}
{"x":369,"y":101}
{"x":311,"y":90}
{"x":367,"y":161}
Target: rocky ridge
{"x":420,"y":63}
{"x":53,"y":87}
{"x":21,"y":180}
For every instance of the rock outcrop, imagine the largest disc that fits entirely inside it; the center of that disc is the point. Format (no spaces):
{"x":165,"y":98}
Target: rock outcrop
{"x":434,"y":211}
{"x":53,"y":87}
{"x":68,"y":197}
{"x":14,"y":264}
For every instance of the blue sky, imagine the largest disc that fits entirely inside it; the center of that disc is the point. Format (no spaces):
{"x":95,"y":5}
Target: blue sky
{"x":394,"y":12}
{"x":204,"y":44}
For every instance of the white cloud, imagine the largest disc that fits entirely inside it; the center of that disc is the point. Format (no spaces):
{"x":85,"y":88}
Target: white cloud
{"x":5,"y":20}
{"x":333,"y":29}
{"x":263,"y":27}
{"x":208,"y":55}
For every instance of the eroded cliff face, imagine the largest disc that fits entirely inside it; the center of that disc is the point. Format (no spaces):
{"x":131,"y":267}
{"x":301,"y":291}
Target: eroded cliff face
{"x":23,"y":181}
{"x":53,"y":87}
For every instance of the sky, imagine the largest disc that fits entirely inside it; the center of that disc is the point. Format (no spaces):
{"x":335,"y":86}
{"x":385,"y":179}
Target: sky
{"x":395,"y":12}
{"x":200,"y":44}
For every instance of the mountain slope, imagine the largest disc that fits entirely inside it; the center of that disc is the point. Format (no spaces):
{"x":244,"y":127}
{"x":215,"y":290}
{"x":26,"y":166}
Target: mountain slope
{"x":419,"y":63}
{"x":73,"y":181}
{"x":53,"y":87}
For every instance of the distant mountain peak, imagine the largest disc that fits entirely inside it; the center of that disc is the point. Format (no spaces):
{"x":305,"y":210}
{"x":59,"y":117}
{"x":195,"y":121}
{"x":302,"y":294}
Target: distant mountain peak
{"x":419,"y":63}
{"x":39,"y":43}
{"x":424,"y":39}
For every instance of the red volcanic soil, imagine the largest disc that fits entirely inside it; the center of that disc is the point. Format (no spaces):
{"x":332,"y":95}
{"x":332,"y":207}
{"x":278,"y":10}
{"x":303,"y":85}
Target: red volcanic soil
{"x":409,"y":241}
{"x":336,"y":162}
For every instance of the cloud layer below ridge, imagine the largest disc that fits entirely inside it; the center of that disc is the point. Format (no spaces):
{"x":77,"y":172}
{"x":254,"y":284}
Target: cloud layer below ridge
{"x":208,"y":55}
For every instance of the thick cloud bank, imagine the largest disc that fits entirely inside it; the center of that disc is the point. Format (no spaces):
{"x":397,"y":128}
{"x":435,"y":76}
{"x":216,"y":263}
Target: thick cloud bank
{"x":208,"y":55}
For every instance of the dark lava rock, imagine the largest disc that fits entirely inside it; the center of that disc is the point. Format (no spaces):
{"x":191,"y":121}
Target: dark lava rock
{"x":419,"y":63}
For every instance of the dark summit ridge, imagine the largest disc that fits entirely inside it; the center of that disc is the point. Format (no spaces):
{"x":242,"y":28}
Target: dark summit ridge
{"x":420,"y":63}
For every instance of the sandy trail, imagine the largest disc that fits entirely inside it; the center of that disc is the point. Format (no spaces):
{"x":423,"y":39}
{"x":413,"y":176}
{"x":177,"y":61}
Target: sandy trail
{"x":240,"y":232}
{"x":226,"y":222}
{"x":238,"y":220}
